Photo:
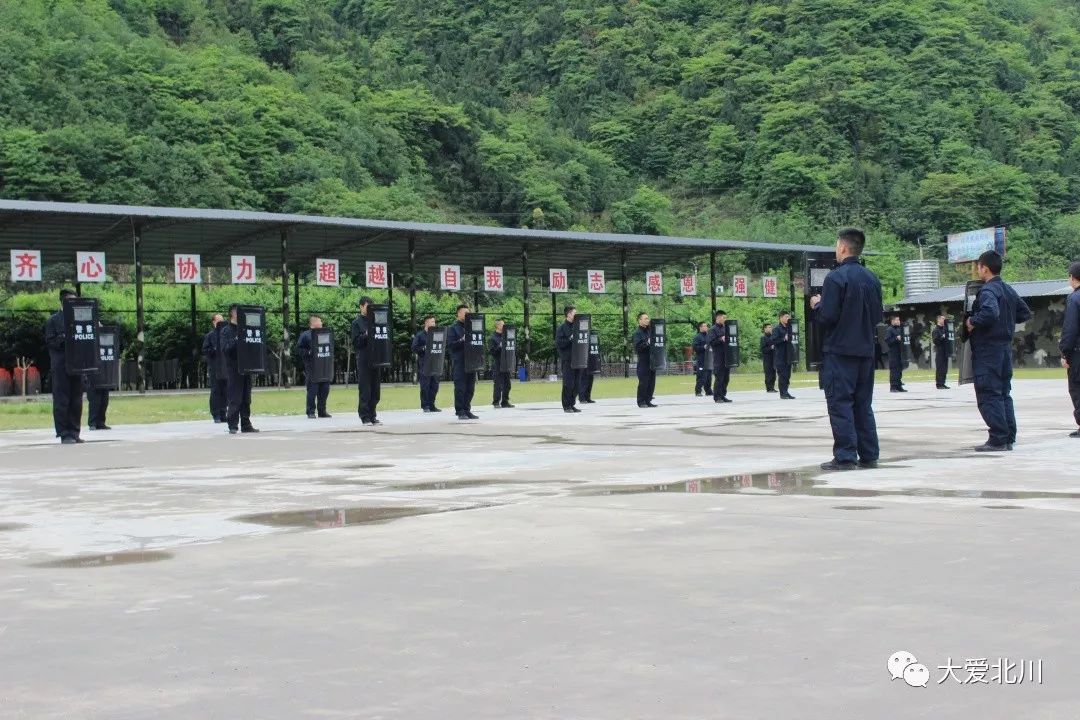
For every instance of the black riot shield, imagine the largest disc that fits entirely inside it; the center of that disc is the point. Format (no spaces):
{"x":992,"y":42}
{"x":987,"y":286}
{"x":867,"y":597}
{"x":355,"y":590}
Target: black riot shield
{"x":793,"y":349}
{"x":882,"y":330}
{"x":658,"y":350}
{"x":595,"y":363}
{"x":251,"y":339}
{"x":108,"y":374}
{"x":378,"y":317}
{"x":732,"y":350}
{"x":435,"y":354}
{"x":964,"y":361}
{"x":905,"y":335}
{"x":322,"y":355}
{"x":817,"y":267}
{"x":950,"y":335}
{"x":579,"y":351}
{"x":475,"y":351}
{"x":508,"y":358}
{"x":80,"y":335}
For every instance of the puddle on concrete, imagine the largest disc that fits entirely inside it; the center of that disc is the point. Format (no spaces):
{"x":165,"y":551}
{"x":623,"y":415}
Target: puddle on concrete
{"x":856,"y":507}
{"x":1004,"y":507}
{"x":802,"y":483}
{"x":8,"y":526}
{"x":363,"y":466}
{"x":340,"y":517}
{"x":127,"y":557}
{"x":480,"y":482}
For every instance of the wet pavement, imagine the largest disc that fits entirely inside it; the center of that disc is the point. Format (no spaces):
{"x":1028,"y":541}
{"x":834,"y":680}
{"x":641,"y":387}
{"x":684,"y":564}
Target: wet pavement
{"x":685,"y":562}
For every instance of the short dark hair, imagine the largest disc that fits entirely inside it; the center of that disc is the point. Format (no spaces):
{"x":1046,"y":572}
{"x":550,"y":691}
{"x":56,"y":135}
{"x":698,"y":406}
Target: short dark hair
{"x":641,"y":315}
{"x":1074,"y":270}
{"x":66,"y":293}
{"x":567,"y":308}
{"x":462,"y":306}
{"x":991,"y":261}
{"x":313,"y":316}
{"x":765,"y":325}
{"x":428,"y":317}
{"x":853,"y":238}
{"x":784,"y":312}
{"x":718,"y":313}
{"x":365,"y":300}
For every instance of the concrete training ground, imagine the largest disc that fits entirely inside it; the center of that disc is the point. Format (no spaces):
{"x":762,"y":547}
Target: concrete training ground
{"x":594,"y":566}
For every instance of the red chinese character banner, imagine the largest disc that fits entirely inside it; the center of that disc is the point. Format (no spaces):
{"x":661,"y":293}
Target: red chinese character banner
{"x":326,"y":272}
{"x":688,"y":285}
{"x":769,"y":287}
{"x":243,"y":270}
{"x":377,"y":275}
{"x":493,"y":279}
{"x":654,"y":283}
{"x":25,"y":266}
{"x":450,"y":277}
{"x":557,"y":281}
{"x":597,"y":284}
{"x":740,"y":286}
{"x":90,"y":267}
{"x":187,"y":269}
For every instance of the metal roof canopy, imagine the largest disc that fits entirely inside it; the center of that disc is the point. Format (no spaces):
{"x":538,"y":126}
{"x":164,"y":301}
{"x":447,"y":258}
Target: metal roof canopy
{"x":1025,"y":289}
{"x":60,"y":229}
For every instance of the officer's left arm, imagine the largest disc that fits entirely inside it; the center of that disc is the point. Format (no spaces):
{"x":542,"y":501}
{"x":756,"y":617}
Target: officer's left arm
{"x":359,"y":334}
{"x":1070,"y":327}
{"x":1023,"y":312}
{"x":54,"y":336}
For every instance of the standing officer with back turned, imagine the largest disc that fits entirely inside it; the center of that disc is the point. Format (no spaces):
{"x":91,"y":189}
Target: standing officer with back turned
{"x":646,"y":376}
{"x":67,"y":390}
{"x":464,"y":382}
{"x":849,"y":309}
{"x":993,"y":320}
{"x":894,"y":340}
{"x":564,"y":343}
{"x":368,"y":376}
{"x":702,"y":364}
{"x":940,"y":338}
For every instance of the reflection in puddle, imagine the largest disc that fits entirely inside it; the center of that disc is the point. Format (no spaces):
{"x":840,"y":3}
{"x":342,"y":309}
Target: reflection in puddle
{"x":339,"y":517}
{"x":856,"y":507}
{"x":127,"y":557}
{"x":1004,"y":507}
{"x":364,"y":466}
{"x":802,"y":483}
{"x":6,"y":526}
{"x":480,"y":482}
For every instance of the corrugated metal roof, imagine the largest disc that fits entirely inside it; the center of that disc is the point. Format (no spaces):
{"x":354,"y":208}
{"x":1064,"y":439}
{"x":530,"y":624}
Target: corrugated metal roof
{"x":955,"y":293}
{"x":60,"y":229}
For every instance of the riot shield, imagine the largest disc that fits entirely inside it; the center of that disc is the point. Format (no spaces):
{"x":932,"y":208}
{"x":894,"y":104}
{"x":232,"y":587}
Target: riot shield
{"x":658,"y":350}
{"x":905,"y":336}
{"x":595,"y":363}
{"x":251,"y":339}
{"x":817,"y":268}
{"x":81,"y":351}
{"x":508,"y":357}
{"x":964,"y":361}
{"x":108,"y":374}
{"x":732,"y":349}
{"x":378,"y":317}
{"x":882,"y":331}
{"x":950,"y":335}
{"x":579,"y":351}
{"x":709,"y":360}
{"x":475,"y":351}
{"x":322,"y":355}
{"x":435,"y":354}
{"x":793,"y":348}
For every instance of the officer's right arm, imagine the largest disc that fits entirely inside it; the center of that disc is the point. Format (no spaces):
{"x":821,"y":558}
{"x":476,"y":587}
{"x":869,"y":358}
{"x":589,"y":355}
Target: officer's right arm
{"x":54,"y":334}
{"x":641,"y":341}
{"x":418,"y":343}
{"x":228,"y":341}
{"x":832,"y":299}
{"x":1070,"y":328}
{"x":988,"y":309}
{"x":562,"y":339}
{"x":359,"y":334}
{"x":303,"y":346}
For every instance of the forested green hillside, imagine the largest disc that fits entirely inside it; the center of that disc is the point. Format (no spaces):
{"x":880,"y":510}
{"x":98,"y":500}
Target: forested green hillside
{"x":723,"y":117}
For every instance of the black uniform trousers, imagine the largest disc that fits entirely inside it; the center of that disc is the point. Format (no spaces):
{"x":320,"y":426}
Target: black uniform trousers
{"x":429,"y":388}
{"x":97,"y":404}
{"x":783,"y":377}
{"x":646,"y":383}
{"x":219,"y":397}
{"x":317,"y":392}
{"x":770,"y":371}
{"x":896,"y":371}
{"x":501,"y":388}
{"x":1074,"y":383}
{"x":992,"y":366}
{"x":584,"y":390}
{"x":370,"y":381}
{"x":570,"y":380}
{"x":67,"y":392}
{"x":721,"y":378}
{"x":704,"y":381}
{"x":464,"y":387}
{"x":848,"y":382}
{"x":941,"y":365}
{"x":238,"y":413}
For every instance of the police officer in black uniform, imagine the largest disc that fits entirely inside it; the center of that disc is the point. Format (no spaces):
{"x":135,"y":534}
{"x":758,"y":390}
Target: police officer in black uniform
{"x":368,"y":378}
{"x":718,"y":340}
{"x":464,"y":383}
{"x":500,"y":376}
{"x":67,"y":390}
{"x":564,"y":343}
{"x":942,"y":350}
{"x":768,"y":363}
{"x":317,"y":392}
{"x":894,"y":340}
{"x":429,"y":384}
{"x":238,"y":385}
{"x":218,"y":382}
{"x":646,"y":376}
{"x":993,"y":320}
{"x":782,"y":347}
{"x":703,"y":379}
{"x":1070,"y":343}
{"x":849,"y":309}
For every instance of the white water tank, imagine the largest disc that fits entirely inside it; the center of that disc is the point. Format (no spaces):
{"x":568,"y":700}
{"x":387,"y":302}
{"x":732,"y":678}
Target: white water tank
{"x":921,"y":276}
